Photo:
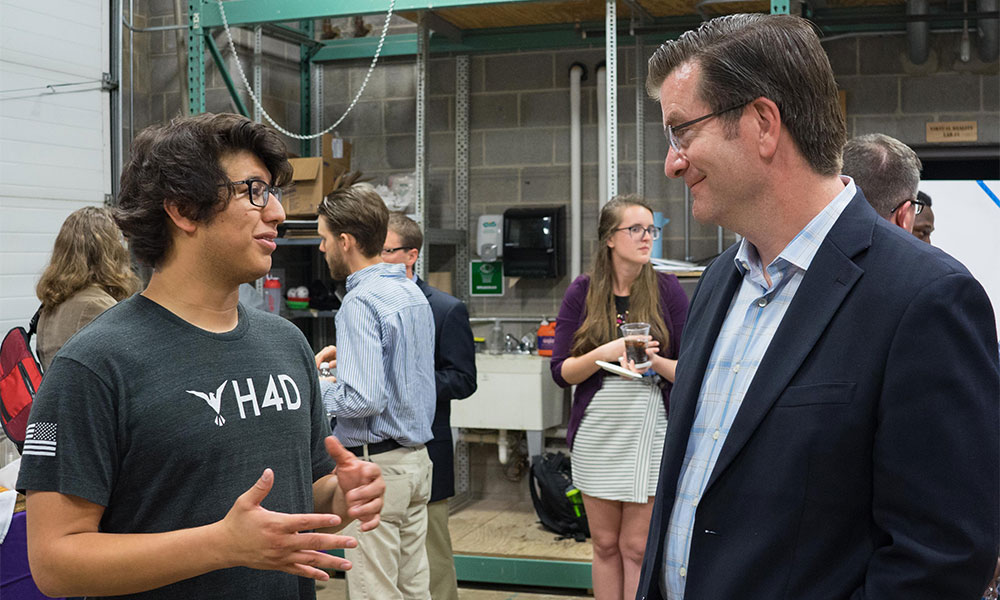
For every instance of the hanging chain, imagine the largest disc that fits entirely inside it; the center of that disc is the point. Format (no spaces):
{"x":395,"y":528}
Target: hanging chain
{"x":243,"y":76}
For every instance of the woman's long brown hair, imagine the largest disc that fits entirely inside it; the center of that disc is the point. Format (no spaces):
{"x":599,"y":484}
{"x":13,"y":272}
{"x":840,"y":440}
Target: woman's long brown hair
{"x":88,"y":251}
{"x":599,"y":326}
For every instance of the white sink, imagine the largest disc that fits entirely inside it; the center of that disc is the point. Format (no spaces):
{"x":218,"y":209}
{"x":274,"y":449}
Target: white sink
{"x":515,"y":391}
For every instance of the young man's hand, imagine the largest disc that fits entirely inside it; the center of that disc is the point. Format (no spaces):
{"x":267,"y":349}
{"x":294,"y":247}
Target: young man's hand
{"x":262,"y":539}
{"x":361,"y":487}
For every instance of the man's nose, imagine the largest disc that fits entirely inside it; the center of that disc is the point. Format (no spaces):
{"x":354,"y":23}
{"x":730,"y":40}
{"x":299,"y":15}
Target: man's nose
{"x":273,"y":211}
{"x":674,"y":164}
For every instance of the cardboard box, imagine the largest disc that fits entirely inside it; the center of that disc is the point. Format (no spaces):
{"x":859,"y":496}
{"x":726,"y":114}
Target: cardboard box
{"x":309,"y":178}
{"x":313,"y":177}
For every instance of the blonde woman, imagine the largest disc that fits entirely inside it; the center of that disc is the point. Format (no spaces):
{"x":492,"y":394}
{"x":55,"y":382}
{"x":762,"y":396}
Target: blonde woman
{"x":617,"y":425}
{"x":89,"y":272}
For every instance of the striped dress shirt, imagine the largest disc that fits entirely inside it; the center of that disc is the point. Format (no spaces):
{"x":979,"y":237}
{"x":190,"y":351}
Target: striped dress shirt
{"x":385,"y":360}
{"x":754,"y":315}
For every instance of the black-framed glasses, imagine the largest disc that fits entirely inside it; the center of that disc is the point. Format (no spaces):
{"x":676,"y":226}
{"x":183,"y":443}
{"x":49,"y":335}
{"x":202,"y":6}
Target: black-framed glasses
{"x":677,"y":143}
{"x":258,"y":191}
{"x":637,"y":231}
{"x":918,"y":206}
{"x":397,"y":249}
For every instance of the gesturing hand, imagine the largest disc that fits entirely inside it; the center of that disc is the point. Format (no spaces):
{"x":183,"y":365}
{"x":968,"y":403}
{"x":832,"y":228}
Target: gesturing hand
{"x":361,"y":484}
{"x":262,"y":539}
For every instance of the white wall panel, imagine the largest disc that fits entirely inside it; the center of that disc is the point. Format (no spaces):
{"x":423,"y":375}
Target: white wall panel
{"x":54,"y":145}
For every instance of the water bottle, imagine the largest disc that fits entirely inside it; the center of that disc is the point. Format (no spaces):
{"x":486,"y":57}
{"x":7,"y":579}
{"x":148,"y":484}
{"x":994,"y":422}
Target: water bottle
{"x":272,"y":295}
{"x":495,"y":343}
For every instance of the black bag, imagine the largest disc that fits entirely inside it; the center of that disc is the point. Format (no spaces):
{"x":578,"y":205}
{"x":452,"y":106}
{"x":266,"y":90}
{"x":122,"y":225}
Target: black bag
{"x":558,"y":503}
{"x":20,"y":376}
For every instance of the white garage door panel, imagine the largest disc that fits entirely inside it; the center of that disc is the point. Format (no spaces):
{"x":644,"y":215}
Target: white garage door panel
{"x":42,"y":153}
{"x":54,"y":147}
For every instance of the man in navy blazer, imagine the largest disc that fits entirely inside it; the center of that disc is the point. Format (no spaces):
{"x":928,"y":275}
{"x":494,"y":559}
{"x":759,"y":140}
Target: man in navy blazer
{"x":455,"y":374}
{"x":833,"y":426}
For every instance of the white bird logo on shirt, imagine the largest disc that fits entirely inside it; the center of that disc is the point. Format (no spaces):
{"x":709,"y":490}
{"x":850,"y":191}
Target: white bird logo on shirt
{"x":215,"y":401}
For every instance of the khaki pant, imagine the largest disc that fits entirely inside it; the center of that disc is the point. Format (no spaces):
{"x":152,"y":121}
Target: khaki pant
{"x":390,"y":562}
{"x":439,"y":553}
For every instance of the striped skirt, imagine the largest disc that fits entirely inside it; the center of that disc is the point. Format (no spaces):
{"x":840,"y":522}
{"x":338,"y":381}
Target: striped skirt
{"x":617,"y":449}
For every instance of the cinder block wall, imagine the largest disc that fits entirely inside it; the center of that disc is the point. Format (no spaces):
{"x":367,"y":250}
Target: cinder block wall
{"x":519,"y":123}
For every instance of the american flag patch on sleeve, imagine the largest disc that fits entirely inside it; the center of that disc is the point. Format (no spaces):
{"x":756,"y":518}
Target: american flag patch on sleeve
{"x":40,"y":439}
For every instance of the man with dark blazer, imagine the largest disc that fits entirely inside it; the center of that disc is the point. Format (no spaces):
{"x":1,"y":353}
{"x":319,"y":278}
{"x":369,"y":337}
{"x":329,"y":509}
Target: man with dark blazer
{"x":833,"y":426}
{"x":455,"y":375}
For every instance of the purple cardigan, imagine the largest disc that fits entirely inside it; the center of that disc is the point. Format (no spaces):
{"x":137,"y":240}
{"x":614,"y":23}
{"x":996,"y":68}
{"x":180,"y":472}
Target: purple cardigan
{"x":673,"y":305}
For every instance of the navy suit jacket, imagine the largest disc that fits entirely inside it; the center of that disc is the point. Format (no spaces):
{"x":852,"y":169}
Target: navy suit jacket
{"x":863,"y":462}
{"x":455,"y":376}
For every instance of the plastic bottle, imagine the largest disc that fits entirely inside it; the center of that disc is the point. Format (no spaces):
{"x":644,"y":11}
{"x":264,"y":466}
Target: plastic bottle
{"x":495,"y":343}
{"x":325,"y":370}
{"x":272,"y":295}
{"x":546,"y":338}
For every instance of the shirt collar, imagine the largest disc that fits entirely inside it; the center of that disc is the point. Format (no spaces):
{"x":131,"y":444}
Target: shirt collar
{"x":803,"y":247}
{"x":381,"y":269}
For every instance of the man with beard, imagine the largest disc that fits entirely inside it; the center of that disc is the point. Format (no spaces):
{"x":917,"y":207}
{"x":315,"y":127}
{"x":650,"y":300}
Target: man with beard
{"x":384,"y":394}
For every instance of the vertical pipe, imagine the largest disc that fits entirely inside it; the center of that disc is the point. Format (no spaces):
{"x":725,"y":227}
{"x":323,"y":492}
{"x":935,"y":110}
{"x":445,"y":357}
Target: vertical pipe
{"x":611,"y":62}
{"x":131,"y":68}
{"x":575,"y":162}
{"x":182,"y":81}
{"x":602,"y":139}
{"x":258,"y":69}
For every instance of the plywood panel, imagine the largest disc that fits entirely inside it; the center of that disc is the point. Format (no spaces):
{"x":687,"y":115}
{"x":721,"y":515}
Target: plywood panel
{"x":511,"y":530}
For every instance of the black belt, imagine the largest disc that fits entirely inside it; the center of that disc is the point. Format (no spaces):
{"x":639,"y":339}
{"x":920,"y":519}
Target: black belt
{"x":376,"y":448}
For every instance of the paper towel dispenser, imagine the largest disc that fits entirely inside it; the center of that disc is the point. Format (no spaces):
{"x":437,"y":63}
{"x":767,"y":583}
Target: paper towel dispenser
{"x":534,"y":242}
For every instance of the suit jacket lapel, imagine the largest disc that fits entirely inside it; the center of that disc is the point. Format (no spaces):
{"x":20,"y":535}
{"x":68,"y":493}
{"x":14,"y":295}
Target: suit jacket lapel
{"x":826,"y":284}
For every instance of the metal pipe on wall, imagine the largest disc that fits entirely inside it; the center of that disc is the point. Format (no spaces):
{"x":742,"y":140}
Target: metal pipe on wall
{"x":181,"y":34}
{"x":576,"y":73}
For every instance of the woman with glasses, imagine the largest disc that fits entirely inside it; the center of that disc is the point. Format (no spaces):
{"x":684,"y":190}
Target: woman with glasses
{"x":89,"y":272}
{"x":617,"y":425}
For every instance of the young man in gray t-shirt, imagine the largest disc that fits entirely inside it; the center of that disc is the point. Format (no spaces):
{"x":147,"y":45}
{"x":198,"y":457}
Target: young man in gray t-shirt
{"x":178,"y":447}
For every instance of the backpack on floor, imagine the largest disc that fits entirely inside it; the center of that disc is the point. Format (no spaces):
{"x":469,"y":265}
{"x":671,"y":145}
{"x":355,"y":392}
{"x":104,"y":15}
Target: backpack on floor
{"x":20,"y":375}
{"x":558,"y":503}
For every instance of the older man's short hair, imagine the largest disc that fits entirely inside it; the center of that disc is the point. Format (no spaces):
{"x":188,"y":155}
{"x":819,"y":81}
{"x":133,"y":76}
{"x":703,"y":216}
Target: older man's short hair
{"x":886,"y":170}
{"x":407,"y":229}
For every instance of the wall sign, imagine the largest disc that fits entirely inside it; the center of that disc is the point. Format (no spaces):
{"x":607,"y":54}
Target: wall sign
{"x":952,"y":131}
{"x":486,"y":278}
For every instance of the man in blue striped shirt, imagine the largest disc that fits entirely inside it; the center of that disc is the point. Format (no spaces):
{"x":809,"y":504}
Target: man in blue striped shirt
{"x":384,"y":393}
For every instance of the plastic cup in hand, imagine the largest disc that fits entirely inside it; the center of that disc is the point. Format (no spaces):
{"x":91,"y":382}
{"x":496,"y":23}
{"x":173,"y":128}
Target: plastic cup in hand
{"x":636,"y":335}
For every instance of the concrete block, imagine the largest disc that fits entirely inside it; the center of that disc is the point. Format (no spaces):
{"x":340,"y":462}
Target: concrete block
{"x":561,"y":137}
{"x":492,"y":111}
{"x":400,"y":116}
{"x":653,"y":112}
{"x":364,"y":119}
{"x":161,"y":8}
{"x":336,"y":83}
{"x":880,"y":55}
{"x":519,"y":147}
{"x":626,"y":105}
{"x":533,"y":71}
{"x":172,"y":105}
{"x":400,"y":151}
{"x":545,"y":109}
{"x":441,"y":76}
{"x":368,"y":154}
{"x":907,"y":129}
{"x":476,"y":143}
{"x":163,"y":76}
{"x":441,"y":199}
{"x":376,"y":87}
{"x":401,"y":80}
{"x":626,"y":144}
{"x":477,"y":74}
{"x":441,"y":150}
{"x":565,"y":59}
{"x":656,"y":145}
{"x":991,"y":92}
{"x":491,"y":185}
{"x":439,"y":113}
{"x":940,"y":93}
{"x":545,"y":185}
{"x":843,"y":55}
{"x":868,"y":95}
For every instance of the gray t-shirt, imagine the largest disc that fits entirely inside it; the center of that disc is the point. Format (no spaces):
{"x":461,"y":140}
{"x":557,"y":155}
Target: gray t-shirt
{"x":165,"y":425}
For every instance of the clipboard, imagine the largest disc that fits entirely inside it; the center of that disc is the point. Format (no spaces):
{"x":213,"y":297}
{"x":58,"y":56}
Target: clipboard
{"x":618,"y":370}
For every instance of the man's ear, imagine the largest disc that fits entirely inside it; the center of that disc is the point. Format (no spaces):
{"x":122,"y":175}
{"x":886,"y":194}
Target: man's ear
{"x":346,"y":241}
{"x":767,"y":119}
{"x":180,"y":221}
{"x":904,"y":217}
